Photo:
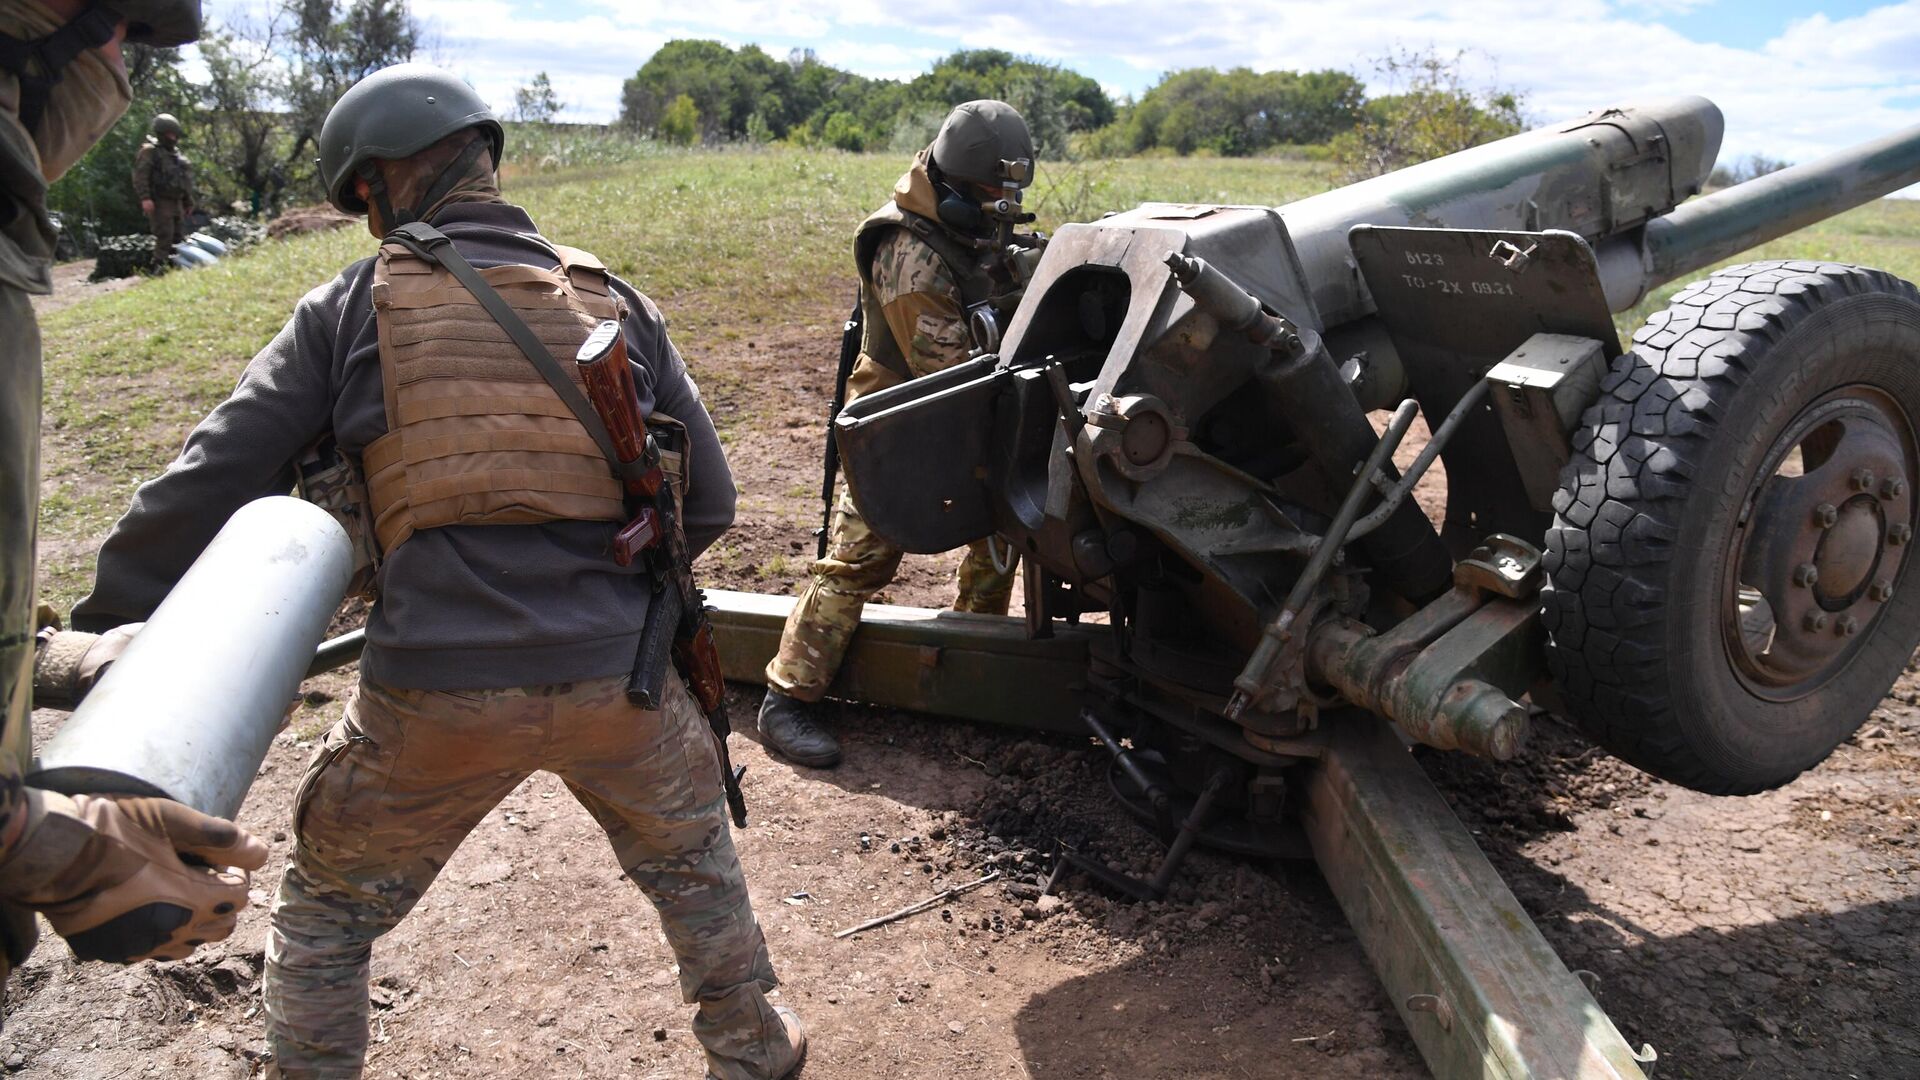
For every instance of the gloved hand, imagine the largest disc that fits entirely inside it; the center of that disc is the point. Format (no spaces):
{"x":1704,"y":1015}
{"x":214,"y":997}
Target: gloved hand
{"x":107,"y":871}
{"x":68,"y":663}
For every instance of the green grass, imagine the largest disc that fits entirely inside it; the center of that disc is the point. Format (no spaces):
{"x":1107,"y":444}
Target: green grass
{"x":730,"y":243}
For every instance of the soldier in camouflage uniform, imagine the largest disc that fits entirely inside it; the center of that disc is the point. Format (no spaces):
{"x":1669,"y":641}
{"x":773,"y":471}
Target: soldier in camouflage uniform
{"x":503,"y":630}
{"x":106,"y":871}
{"x":163,"y":182}
{"x":925,"y":258}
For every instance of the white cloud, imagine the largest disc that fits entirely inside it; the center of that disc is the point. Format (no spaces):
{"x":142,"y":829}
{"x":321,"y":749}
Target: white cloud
{"x":1883,"y":41}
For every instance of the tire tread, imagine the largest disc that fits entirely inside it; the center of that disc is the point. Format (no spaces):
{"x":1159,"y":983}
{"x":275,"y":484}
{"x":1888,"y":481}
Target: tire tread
{"x":1617,"y":514}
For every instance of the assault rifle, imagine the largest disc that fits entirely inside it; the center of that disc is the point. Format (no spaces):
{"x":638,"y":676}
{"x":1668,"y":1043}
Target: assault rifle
{"x":830,"y":465}
{"x":677,"y":629}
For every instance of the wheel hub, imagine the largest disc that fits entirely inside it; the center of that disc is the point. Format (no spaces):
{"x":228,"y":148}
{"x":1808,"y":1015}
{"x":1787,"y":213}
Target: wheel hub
{"x":1847,"y":553}
{"x":1822,"y":542}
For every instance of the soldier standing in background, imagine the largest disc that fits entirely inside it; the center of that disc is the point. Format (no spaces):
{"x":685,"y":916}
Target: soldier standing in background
{"x":163,"y":182}
{"x":504,"y":631}
{"x":925,"y":259}
{"x":106,"y":870}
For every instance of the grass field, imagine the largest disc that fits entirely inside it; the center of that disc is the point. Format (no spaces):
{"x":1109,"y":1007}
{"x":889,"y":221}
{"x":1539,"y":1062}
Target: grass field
{"x":728,"y":242}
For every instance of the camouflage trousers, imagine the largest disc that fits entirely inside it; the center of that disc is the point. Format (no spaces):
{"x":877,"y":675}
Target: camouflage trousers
{"x":859,"y":564}
{"x":169,"y":221}
{"x":403,"y":778}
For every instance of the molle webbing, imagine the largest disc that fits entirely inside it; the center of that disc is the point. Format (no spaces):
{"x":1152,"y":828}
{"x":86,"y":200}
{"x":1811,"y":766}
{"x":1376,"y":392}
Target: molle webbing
{"x":475,"y":435}
{"x":876,"y":340}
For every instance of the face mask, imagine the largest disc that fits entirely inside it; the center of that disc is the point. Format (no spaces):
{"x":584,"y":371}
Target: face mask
{"x":91,"y":95}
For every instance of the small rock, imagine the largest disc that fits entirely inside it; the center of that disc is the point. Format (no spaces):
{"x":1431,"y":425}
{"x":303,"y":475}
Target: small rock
{"x":16,"y":1060}
{"x":546,"y":1020}
{"x":956,"y":1027}
{"x":1719,"y":1042}
{"x":659,"y":1034}
{"x":1047,"y":906}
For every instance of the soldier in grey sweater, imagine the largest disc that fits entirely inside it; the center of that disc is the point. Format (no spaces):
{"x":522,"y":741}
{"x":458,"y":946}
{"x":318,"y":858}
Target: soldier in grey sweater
{"x":504,"y":630}
{"x":466,"y":606}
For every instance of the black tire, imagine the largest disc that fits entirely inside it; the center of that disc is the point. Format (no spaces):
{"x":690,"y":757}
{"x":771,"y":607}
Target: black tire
{"x":1669,"y":469}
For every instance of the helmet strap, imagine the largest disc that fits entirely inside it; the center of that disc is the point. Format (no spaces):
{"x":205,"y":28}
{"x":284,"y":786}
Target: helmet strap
{"x":390,"y":216}
{"x":395,"y":216}
{"x":39,"y":63}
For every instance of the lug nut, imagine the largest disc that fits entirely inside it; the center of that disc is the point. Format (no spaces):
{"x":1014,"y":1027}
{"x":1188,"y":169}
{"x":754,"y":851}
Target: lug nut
{"x":1863,"y":479}
{"x":1846,"y":627}
{"x":1825,"y":515}
{"x":1815,"y":621}
{"x":1881,"y":592}
{"x":1899,"y":532}
{"x":1805,"y":575}
{"x":1892,"y":487}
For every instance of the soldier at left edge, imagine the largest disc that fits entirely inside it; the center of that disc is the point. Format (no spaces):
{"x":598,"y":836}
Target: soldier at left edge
{"x":109,"y":872}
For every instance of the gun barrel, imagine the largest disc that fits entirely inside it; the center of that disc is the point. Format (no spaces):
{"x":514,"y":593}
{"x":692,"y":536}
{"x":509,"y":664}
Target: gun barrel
{"x":1599,"y":176}
{"x":1711,"y":228}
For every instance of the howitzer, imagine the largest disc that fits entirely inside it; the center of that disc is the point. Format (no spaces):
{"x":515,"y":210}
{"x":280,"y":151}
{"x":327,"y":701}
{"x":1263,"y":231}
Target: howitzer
{"x":1695,"y":547}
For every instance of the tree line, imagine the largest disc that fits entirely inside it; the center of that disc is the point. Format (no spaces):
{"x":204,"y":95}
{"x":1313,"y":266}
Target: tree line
{"x":706,"y":92}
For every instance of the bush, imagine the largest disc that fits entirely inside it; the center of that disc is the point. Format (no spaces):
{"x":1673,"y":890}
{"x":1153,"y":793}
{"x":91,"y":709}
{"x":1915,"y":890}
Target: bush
{"x":680,"y":124}
{"x":843,"y":132}
{"x":1435,"y":115}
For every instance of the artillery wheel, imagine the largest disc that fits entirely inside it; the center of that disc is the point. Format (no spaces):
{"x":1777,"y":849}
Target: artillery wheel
{"x":1730,"y":588}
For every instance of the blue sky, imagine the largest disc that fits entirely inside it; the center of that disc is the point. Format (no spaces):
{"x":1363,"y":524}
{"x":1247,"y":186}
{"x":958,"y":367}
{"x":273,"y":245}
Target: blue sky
{"x":1795,"y":79}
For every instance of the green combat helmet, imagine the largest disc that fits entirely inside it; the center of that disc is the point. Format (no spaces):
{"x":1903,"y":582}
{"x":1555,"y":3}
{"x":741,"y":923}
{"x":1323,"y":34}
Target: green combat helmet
{"x":394,"y":113}
{"x":987,"y":143}
{"x":167,"y":124}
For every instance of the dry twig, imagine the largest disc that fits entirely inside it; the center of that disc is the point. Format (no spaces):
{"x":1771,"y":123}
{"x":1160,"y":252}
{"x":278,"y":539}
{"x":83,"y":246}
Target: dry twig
{"x":928,"y":904}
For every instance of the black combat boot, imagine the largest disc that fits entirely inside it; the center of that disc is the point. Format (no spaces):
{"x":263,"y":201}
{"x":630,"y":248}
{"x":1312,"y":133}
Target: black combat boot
{"x":787,"y":725}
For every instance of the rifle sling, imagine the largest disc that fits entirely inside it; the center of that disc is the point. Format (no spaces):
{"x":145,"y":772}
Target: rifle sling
{"x":431,"y":244}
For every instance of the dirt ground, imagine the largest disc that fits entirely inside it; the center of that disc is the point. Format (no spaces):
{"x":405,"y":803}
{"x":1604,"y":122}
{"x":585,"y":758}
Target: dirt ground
{"x":70,"y":286}
{"x":1764,"y":937}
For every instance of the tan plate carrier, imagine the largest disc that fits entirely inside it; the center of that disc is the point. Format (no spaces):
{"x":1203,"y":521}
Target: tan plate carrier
{"x":475,"y":435}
